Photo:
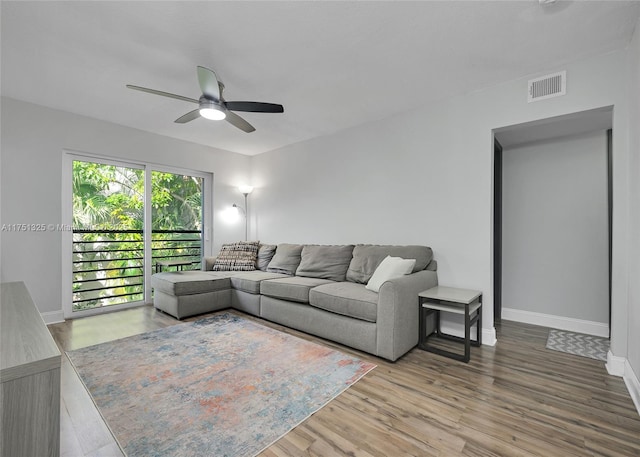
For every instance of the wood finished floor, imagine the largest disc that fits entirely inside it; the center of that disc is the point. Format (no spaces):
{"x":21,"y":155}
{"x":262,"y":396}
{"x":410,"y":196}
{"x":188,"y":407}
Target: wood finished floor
{"x":514,"y":399}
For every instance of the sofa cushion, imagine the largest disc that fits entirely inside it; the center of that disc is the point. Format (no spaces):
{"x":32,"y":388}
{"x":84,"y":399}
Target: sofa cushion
{"x":265,"y":254}
{"x":294,"y":288}
{"x":189,"y":282}
{"x":249,"y":281}
{"x":346,"y":298}
{"x":286,"y":259}
{"x":367,"y":257}
{"x":240,"y":256}
{"x":389,"y":268}
{"x":326,"y":262}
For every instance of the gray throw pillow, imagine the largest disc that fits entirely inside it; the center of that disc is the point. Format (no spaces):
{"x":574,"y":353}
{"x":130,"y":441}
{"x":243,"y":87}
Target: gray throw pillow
{"x":265,"y":254}
{"x":286,"y":259}
{"x":325,"y":262}
{"x":367,"y":257}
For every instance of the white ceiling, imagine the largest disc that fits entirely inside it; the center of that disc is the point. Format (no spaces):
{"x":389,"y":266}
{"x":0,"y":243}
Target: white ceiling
{"x":333,"y":65}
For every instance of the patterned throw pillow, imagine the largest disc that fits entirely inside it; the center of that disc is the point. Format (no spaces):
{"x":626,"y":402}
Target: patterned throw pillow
{"x":240,"y":256}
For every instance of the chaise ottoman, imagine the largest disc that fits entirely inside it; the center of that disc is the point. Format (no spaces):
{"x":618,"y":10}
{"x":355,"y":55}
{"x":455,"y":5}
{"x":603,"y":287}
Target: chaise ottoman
{"x":187,"y":293}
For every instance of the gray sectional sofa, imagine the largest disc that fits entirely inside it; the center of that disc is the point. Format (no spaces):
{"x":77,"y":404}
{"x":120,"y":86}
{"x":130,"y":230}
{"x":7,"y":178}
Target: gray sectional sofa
{"x":318,"y":289}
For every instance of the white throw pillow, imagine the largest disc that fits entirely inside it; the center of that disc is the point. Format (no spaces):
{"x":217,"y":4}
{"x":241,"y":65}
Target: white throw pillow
{"x":390,"y":268}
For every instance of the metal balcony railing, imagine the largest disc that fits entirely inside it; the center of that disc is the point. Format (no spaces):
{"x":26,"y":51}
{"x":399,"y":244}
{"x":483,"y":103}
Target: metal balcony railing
{"x":108,"y":265}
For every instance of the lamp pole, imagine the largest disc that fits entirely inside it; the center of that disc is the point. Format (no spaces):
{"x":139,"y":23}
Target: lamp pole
{"x":246,"y":190}
{"x":246,"y":217}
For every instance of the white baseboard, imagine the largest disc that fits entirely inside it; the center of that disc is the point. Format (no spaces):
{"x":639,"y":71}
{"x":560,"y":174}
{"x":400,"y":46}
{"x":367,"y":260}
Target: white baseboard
{"x":455,"y":328}
{"x":619,"y":366}
{"x":489,"y":336}
{"x":52,"y":317}
{"x":633,"y":385}
{"x":615,"y":365}
{"x":559,"y":322}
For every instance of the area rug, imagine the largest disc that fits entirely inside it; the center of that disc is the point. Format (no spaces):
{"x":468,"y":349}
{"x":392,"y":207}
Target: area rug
{"x":594,"y":347}
{"x":220,"y":386}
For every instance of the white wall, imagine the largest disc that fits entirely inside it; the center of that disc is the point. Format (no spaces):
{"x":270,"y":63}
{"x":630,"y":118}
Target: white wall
{"x":555,"y":234}
{"x":634,"y":211}
{"x":426,"y":177}
{"x":33,"y":139}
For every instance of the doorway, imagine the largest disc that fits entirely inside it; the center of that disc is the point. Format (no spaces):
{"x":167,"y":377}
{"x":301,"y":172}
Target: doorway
{"x":537,"y":258}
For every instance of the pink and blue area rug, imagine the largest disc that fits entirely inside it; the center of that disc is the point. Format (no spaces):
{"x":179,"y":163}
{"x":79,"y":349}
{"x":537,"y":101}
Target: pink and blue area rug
{"x":220,"y":386}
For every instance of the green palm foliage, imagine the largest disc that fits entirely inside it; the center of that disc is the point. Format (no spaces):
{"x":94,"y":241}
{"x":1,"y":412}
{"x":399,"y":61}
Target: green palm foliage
{"x":108,"y":221}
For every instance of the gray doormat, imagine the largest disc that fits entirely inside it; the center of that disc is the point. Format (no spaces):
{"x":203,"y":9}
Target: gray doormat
{"x":594,"y":347}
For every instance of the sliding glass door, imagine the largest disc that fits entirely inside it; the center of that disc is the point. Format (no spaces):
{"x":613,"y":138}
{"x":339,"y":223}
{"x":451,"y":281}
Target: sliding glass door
{"x":108,"y":245}
{"x":128,"y":221}
{"x":176,"y":213}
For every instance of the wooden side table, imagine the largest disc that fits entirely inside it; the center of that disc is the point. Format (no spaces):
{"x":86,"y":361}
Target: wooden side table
{"x":451,"y":300}
{"x":179,"y":264}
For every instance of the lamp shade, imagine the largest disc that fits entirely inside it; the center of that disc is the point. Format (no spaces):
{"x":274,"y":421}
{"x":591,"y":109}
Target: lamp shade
{"x":245,"y":189}
{"x":231,"y":214}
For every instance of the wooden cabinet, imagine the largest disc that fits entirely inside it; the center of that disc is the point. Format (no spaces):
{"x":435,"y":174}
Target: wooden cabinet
{"x":30,"y":377}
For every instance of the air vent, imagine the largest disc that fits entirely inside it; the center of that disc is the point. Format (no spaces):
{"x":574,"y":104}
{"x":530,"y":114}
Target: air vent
{"x":547,"y":86}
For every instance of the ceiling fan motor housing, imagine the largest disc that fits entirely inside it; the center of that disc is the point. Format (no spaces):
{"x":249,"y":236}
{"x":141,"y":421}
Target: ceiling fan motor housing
{"x":208,"y":103}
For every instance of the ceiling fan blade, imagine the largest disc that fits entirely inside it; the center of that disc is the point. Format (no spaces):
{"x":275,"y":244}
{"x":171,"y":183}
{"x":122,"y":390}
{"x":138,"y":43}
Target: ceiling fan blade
{"x":237,"y":121}
{"x":255,"y":107}
{"x":191,"y":115}
{"x":164,"y":94}
{"x":209,"y":84}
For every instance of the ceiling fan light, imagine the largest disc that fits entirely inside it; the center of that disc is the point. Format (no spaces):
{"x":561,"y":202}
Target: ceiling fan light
{"x":212,"y":114}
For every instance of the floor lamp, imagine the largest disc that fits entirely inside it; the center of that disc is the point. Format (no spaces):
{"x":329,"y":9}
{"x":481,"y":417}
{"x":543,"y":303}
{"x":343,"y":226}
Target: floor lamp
{"x":246,"y":190}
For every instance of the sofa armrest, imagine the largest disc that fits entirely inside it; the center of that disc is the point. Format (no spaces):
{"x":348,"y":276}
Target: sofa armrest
{"x":398,"y":315}
{"x":207,"y":263}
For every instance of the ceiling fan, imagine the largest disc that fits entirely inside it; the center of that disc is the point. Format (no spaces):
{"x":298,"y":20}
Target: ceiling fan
{"x":213,"y":106}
